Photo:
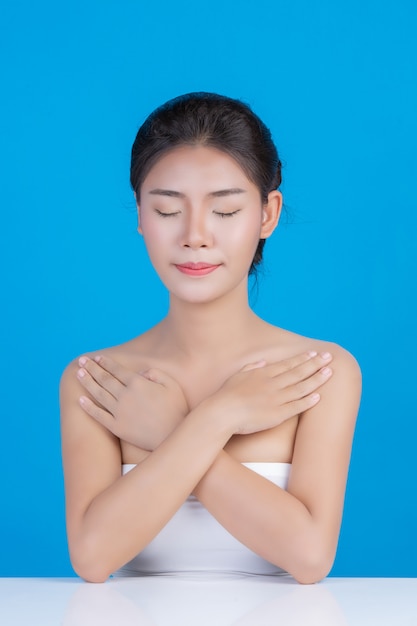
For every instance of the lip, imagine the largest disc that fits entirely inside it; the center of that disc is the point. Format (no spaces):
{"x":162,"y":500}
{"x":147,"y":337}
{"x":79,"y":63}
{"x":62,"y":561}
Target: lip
{"x":196,"y":269}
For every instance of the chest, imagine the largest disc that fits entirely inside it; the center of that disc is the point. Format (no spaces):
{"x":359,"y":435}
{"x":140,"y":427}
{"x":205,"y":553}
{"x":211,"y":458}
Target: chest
{"x":273,"y":445}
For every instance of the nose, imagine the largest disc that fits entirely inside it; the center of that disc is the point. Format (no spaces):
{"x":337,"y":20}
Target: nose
{"x":196,"y":233}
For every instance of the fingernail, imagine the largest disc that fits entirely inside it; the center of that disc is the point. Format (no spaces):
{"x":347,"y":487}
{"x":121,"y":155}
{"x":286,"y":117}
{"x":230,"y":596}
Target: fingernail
{"x":97,"y":359}
{"x":82,"y":360}
{"x":325,"y":355}
{"x":315,"y":397}
{"x":326,"y":371}
{"x":312,"y":353}
{"x":81,"y":373}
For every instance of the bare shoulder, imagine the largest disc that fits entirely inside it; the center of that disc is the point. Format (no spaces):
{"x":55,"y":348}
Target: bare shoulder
{"x":79,"y":432}
{"x":125,"y":353}
{"x":342,"y":392}
{"x":346,"y":370}
{"x":342,"y":358}
{"x":70,"y":389}
{"x":291,"y":344}
{"x":76,"y":425}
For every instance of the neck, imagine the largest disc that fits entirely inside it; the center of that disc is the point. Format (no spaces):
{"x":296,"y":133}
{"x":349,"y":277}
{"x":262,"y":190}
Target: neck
{"x":209,"y":331}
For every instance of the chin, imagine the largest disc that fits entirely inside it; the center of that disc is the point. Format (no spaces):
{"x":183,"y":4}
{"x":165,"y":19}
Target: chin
{"x":195,"y":298}
{"x":203,"y":296}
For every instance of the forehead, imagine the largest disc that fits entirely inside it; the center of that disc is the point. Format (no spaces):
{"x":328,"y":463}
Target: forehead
{"x":196,"y":166}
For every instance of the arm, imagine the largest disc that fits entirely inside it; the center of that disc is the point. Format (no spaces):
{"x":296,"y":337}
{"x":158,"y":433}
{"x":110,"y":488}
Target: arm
{"x":111,"y":518}
{"x":297,"y":530}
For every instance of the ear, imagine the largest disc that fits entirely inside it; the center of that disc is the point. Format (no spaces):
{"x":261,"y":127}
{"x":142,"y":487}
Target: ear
{"x":139,"y":228}
{"x":271,"y":212}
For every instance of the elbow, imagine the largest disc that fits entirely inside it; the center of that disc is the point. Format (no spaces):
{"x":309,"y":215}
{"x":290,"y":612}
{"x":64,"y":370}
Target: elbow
{"x":88,"y":563}
{"x":91,"y":574}
{"x":314,"y":563}
{"x":309,"y":575}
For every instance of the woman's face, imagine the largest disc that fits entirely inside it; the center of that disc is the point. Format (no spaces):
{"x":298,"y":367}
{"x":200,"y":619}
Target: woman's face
{"x":201,"y":219}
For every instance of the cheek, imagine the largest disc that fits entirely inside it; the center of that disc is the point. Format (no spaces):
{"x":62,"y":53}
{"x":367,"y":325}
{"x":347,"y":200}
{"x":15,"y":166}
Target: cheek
{"x":244,"y":235}
{"x":154,"y":241}
{"x":155,"y":233}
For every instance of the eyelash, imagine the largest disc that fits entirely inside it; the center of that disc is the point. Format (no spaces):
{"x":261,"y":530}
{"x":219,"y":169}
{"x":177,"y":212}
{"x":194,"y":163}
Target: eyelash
{"x":222,"y":215}
{"x":166,"y":214}
{"x":227,"y":214}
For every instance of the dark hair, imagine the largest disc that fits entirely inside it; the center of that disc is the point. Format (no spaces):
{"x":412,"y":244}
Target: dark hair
{"x":212,"y":120}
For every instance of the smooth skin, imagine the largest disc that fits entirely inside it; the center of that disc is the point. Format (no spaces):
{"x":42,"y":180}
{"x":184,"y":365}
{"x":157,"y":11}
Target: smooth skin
{"x":209,"y":387}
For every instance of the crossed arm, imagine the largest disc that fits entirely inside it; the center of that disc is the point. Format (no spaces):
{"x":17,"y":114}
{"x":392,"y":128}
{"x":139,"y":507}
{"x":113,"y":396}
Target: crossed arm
{"x":111,"y":518}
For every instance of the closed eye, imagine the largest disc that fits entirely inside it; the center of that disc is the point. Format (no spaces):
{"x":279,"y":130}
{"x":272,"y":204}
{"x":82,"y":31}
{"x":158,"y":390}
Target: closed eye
{"x":162,"y":214}
{"x":227,"y":214}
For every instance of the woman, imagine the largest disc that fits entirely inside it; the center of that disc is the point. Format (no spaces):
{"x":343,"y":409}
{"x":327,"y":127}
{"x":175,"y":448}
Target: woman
{"x":214,"y":442}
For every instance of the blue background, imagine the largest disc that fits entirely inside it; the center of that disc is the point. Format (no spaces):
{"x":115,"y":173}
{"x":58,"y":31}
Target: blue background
{"x":336,"y":83}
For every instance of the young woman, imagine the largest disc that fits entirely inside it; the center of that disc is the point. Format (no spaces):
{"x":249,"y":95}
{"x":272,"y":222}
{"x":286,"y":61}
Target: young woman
{"x":214,"y":442}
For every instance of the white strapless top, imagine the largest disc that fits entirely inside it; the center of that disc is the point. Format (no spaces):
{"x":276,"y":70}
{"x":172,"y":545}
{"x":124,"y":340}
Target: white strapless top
{"x":193,"y":542}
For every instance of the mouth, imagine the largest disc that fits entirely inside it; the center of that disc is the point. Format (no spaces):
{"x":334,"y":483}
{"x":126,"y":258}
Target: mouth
{"x":196,"y":269}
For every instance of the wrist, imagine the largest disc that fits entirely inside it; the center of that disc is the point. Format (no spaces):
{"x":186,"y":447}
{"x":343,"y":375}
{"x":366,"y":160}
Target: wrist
{"x":213,"y":419}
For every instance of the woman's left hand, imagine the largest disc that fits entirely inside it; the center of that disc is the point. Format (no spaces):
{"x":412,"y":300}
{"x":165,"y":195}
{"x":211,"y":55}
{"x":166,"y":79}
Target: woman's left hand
{"x":142,"y":409}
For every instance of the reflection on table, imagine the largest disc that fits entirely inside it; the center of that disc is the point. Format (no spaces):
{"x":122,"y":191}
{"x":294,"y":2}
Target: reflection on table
{"x":159,"y":601}
{"x":173,"y":601}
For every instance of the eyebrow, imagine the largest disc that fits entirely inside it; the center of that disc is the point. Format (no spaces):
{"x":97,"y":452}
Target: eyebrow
{"x":213,"y":194}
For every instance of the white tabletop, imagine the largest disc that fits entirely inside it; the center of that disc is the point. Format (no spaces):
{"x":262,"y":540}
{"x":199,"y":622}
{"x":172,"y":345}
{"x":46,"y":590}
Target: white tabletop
{"x":160,"y":601}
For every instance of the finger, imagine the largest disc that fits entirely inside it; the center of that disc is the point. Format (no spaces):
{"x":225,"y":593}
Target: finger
{"x":253,"y":366}
{"x":309,"y":385}
{"x":103,"y":397}
{"x":156,"y":375}
{"x":298,"y":371}
{"x":296,"y":407}
{"x":122,"y":374}
{"x":287,"y":365}
{"x":106,"y":380}
{"x":100,"y":415}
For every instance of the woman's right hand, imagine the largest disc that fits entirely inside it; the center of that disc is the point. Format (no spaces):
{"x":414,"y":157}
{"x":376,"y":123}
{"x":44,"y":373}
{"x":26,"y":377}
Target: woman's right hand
{"x":261,"y":396}
{"x":142,"y":409}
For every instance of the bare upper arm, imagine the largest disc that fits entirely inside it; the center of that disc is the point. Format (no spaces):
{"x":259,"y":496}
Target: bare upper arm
{"x":323,"y":445}
{"x":90,"y":453}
